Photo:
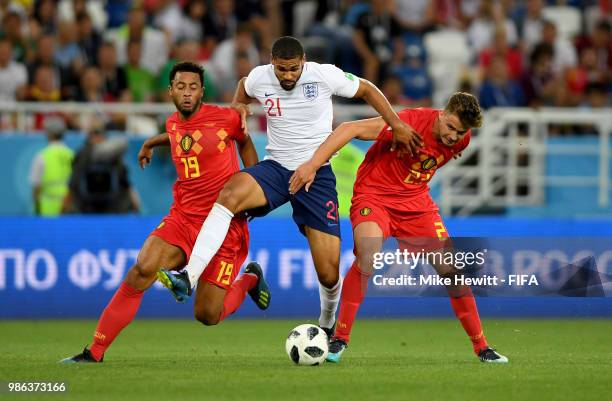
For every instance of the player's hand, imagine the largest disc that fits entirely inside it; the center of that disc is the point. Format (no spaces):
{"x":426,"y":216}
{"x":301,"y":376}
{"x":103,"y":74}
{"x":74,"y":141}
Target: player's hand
{"x":405,"y":135}
{"x":303,"y":176}
{"x":245,"y":111}
{"x":145,"y":155}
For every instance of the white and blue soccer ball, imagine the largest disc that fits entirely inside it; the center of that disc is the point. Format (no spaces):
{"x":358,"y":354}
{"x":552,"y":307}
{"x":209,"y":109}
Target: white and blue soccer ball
{"x":307,"y":345}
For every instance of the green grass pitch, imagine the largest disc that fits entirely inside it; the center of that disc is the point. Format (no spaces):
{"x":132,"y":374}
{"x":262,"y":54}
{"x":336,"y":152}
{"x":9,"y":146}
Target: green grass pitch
{"x":245,"y":360}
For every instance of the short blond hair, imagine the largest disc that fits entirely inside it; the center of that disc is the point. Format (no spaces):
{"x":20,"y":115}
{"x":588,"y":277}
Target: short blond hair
{"x":466,"y":107}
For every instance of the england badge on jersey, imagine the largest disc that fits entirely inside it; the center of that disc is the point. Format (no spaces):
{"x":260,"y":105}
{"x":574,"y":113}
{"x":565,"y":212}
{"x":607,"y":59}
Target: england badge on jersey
{"x":311,"y":91}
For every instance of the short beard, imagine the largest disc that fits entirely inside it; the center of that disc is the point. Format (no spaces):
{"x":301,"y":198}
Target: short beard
{"x":189,"y":113}
{"x":288,"y":89}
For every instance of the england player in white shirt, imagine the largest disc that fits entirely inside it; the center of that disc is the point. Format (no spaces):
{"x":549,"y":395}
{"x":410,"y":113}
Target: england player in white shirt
{"x":296,"y":98}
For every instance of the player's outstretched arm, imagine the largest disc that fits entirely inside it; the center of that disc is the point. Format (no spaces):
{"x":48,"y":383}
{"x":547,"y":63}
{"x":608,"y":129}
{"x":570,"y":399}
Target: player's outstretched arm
{"x":146,"y":150}
{"x":367,"y":130}
{"x":402,"y":132}
{"x":240,"y":103}
{"x":247,"y":151}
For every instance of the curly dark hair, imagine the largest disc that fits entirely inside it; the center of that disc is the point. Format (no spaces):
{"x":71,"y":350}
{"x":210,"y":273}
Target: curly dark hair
{"x":187,"y":66}
{"x":287,"y":47}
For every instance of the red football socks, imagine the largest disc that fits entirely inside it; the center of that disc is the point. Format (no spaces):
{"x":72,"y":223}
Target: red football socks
{"x":236,"y":293}
{"x":467,"y":313}
{"x":354,"y":290}
{"x":119,"y":312}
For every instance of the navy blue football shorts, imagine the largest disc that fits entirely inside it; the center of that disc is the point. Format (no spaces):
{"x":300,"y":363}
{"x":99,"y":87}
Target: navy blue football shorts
{"x":317,"y":208}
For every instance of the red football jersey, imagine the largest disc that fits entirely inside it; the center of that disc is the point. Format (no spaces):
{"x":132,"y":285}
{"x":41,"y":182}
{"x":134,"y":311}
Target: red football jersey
{"x":204,"y":154}
{"x":400,"y":179}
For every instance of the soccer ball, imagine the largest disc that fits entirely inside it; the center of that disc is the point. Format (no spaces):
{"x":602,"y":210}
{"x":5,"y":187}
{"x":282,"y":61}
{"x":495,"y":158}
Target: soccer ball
{"x":307,"y":345}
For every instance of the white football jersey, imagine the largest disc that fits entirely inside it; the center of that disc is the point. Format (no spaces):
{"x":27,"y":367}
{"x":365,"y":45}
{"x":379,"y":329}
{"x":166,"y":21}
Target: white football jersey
{"x":299,"y":120}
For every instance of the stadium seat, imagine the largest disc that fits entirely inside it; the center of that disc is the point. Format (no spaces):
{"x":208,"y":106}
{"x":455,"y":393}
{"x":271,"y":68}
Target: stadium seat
{"x":448,"y":54}
{"x":415,"y":81}
{"x":567,"y":20}
{"x":303,"y":17}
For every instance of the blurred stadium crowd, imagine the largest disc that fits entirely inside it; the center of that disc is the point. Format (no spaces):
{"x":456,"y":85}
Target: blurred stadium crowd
{"x":512,"y":53}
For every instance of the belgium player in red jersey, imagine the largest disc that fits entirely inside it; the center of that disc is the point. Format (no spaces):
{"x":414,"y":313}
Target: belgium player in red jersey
{"x":391,"y":199}
{"x":202,"y":140}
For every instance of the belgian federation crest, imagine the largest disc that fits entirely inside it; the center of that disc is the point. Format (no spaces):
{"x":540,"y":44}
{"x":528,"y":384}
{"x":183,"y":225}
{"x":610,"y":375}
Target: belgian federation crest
{"x":311,"y":91}
{"x":365,"y":211}
{"x":429,"y":163}
{"x":186,"y":143}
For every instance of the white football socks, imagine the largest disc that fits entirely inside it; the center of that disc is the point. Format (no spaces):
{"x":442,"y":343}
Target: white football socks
{"x":330,"y":297}
{"x":210,"y":238}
